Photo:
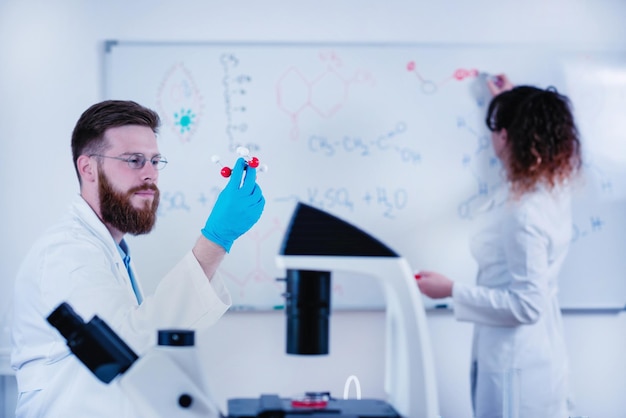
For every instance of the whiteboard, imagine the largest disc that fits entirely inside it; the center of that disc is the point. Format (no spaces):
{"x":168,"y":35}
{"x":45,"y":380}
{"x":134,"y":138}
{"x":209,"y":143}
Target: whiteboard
{"x":389,"y":137}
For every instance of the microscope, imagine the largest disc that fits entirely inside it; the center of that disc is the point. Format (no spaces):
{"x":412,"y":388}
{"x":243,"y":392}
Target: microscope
{"x":165,"y":382}
{"x":315,"y":245}
{"x":318,"y":243}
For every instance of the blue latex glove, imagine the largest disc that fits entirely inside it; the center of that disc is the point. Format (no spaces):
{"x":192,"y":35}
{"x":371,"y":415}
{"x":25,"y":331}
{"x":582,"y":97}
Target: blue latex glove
{"x":236,"y":209}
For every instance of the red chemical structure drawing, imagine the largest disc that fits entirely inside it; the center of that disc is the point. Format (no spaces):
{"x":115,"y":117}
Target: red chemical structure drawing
{"x":431,"y":87}
{"x":325,"y":94}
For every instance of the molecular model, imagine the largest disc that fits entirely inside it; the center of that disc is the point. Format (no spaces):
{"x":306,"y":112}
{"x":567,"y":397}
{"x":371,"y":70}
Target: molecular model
{"x":245,"y":154}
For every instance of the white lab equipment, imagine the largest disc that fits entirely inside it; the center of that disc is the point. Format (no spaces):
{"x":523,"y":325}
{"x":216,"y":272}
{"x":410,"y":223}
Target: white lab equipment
{"x":166,"y":381}
{"x":317,"y":243}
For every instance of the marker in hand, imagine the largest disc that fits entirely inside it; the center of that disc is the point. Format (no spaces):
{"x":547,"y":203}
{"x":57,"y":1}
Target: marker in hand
{"x":497,"y":80}
{"x":498,"y":83}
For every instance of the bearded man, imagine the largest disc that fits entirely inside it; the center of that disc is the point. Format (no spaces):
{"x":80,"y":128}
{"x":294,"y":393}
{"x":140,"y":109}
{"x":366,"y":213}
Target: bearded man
{"x":85,"y":261}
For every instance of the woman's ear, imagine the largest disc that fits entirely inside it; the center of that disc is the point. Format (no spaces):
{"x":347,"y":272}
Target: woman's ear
{"x":499,"y":141}
{"x":505,"y":135}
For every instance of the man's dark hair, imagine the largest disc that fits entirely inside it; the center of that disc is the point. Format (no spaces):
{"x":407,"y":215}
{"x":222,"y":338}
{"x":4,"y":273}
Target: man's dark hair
{"x":88,"y":134}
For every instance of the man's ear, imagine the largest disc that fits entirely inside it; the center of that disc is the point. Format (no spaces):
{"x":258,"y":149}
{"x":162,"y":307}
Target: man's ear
{"x":87,"y":168}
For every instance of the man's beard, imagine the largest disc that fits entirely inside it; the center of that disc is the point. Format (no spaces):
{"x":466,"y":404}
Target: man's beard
{"x":118,"y":211}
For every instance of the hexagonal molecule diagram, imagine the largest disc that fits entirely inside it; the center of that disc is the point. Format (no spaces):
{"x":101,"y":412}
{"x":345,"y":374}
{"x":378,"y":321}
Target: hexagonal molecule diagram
{"x":325,"y":94}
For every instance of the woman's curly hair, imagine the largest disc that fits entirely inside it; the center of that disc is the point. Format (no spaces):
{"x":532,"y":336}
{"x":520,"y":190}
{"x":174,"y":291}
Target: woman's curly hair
{"x":543,"y":144}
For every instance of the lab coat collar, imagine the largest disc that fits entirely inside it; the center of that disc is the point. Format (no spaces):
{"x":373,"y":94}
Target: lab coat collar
{"x":81,"y":210}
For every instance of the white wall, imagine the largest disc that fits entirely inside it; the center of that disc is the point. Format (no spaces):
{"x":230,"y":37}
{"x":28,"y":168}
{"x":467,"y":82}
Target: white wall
{"x":50,"y":71}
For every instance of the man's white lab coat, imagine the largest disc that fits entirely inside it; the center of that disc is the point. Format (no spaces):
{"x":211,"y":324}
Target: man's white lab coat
{"x":519,"y":367}
{"x":78,"y":262}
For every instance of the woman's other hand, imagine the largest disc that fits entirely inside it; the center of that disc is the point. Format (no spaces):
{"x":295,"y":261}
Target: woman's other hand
{"x":434,"y":285}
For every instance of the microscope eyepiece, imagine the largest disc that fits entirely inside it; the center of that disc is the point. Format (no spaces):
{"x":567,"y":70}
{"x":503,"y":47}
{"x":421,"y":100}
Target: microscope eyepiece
{"x":95,"y":344}
{"x":66,"y":321}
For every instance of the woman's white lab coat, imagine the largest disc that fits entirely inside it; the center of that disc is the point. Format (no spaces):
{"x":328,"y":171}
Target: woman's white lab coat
{"x":519,"y":359}
{"x":78,"y":262}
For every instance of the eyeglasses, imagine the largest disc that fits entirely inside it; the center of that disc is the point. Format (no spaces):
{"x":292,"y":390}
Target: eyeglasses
{"x":137,"y":161}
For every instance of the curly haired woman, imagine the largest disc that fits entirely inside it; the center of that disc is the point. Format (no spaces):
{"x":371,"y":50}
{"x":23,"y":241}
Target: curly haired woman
{"x":519,"y":360}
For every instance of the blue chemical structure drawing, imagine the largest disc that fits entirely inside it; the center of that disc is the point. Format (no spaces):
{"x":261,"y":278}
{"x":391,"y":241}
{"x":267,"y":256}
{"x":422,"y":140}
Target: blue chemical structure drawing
{"x":179,"y":102}
{"x":172,"y":202}
{"x":325,"y":94}
{"x":483,"y":167}
{"x":356,"y":145}
{"x":390,"y":200}
{"x":580,"y":231}
{"x":235,"y":86}
{"x":483,"y":143}
{"x":603,"y":182}
{"x":387,"y":201}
